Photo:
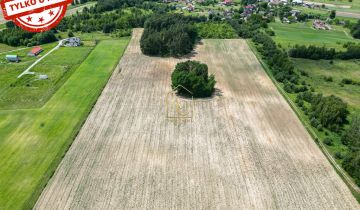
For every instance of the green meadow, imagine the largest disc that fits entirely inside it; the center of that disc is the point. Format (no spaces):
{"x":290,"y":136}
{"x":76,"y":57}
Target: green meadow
{"x":30,"y":92}
{"x":33,"y":141}
{"x":338,"y":70}
{"x":304,"y":34}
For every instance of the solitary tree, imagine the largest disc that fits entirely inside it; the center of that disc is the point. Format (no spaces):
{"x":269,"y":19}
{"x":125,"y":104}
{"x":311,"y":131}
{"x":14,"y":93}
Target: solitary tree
{"x":332,"y":14}
{"x":194,"y":77}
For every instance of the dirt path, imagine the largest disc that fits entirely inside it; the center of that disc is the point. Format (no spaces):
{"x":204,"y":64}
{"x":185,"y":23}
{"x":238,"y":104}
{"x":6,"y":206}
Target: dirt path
{"x":27,"y":71}
{"x":244,"y":149}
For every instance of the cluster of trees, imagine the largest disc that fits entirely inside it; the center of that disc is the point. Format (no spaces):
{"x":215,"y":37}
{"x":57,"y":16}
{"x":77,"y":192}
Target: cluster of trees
{"x":247,"y":29}
{"x":330,"y":111}
{"x":169,"y":35}
{"x":316,"y":53}
{"x":194,"y":77}
{"x":89,"y":21}
{"x":278,"y":61}
{"x":213,"y":30}
{"x":355,"y":30}
{"x":312,"y":52}
{"x":351,"y":138}
{"x":325,"y":112}
{"x":15,"y":36}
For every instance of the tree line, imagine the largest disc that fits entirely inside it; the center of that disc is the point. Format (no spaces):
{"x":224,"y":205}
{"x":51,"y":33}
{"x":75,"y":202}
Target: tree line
{"x":315,"y":53}
{"x":15,"y":36}
{"x":90,"y":21}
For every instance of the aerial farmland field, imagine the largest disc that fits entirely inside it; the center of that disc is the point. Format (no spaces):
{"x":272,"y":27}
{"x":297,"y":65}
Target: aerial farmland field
{"x":242,"y":149}
{"x":33,"y":141}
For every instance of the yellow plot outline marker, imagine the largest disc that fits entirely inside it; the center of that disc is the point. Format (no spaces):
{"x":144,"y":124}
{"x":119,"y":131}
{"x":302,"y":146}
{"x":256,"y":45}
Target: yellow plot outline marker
{"x":180,"y":113}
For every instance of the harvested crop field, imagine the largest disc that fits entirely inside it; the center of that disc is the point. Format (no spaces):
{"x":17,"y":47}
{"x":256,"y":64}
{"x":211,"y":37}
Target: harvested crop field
{"x":242,"y":149}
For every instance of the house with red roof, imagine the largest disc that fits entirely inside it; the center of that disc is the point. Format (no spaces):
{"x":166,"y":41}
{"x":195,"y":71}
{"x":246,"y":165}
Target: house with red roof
{"x":227,"y":2}
{"x":35,"y":51}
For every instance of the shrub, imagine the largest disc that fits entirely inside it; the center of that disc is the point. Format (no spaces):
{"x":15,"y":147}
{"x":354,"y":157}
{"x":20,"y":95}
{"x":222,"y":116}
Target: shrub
{"x":347,"y":81}
{"x":330,"y":111}
{"x":328,"y":141}
{"x":351,"y":164}
{"x":351,"y":136}
{"x":355,"y":30}
{"x":193,"y":76}
{"x":328,"y":79}
{"x":70,"y":34}
{"x":339,"y":155}
{"x":270,"y":32}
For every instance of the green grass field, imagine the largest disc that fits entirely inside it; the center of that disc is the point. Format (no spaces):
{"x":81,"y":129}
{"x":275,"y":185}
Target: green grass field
{"x":303,"y":34}
{"x":33,"y":142}
{"x":354,"y":3}
{"x":339,"y":70}
{"x":30,"y":92}
{"x":317,"y":71}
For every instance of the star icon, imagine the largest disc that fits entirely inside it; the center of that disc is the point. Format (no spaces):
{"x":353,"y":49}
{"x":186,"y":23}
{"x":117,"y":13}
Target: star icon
{"x":51,"y":13}
{"x":41,"y":19}
{"x":29,"y":19}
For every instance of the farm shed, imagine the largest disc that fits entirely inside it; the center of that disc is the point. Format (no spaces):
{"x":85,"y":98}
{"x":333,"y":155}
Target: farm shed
{"x":43,"y":76}
{"x":12,"y":58}
{"x":35,"y":51}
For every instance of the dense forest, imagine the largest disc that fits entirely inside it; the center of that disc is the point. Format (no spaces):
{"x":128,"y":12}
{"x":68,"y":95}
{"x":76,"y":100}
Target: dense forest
{"x":169,"y":35}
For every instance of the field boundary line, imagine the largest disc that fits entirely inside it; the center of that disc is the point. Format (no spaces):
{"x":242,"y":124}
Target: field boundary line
{"x":347,"y":179}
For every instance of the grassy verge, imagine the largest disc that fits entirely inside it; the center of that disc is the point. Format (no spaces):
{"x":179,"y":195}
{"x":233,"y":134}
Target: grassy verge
{"x":314,"y":133}
{"x":33,"y":142}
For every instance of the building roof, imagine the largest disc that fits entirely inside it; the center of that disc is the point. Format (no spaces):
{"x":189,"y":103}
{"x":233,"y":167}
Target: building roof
{"x":11,"y":56}
{"x":36,"y":50}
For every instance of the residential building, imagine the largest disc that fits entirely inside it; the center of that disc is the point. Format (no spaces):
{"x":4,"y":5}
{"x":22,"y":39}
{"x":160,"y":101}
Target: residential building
{"x":35,"y":51}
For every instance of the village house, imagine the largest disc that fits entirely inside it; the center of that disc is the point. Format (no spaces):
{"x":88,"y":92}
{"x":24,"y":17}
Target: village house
{"x":226,"y":3}
{"x":35,"y":51}
{"x":249,"y":10}
{"x":228,"y":14}
{"x":321,"y":25}
{"x":277,"y":2}
{"x":12,"y":58}
{"x":295,"y":13}
{"x":72,"y":42}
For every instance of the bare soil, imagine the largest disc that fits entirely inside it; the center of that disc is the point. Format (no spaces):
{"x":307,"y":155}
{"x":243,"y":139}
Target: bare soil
{"x":243,"y":149}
